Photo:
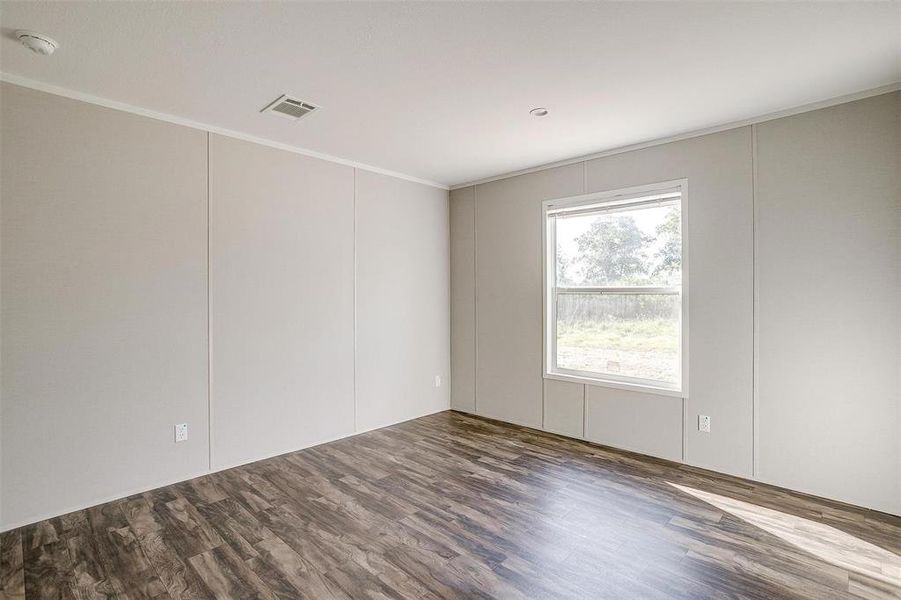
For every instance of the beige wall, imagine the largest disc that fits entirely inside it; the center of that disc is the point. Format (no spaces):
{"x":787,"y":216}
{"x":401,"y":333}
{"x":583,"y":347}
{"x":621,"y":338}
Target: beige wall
{"x":720,"y":278}
{"x":105,"y":292}
{"x":104,"y":303}
{"x":816,"y":173}
{"x":508,"y":291}
{"x":281,"y":300}
{"x":829,"y":311}
{"x":403,"y":300}
{"x":506,"y":243}
{"x":632,"y":420}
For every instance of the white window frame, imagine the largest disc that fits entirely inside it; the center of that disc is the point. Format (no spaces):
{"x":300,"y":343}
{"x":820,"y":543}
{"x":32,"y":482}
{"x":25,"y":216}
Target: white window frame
{"x":627,"y":197}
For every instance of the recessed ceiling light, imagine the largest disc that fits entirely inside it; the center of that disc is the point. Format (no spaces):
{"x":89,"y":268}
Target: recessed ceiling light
{"x":37,"y":42}
{"x":538,"y":112}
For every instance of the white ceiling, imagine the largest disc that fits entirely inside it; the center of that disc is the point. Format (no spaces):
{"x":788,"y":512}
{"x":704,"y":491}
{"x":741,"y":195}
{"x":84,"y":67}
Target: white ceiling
{"x":442,"y":91}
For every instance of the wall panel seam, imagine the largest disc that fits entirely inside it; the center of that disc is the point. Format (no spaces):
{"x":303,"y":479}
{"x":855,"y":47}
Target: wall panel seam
{"x":355,"y":296}
{"x":209,"y":330}
{"x":544,"y":350}
{"x":584,"y":409}
{"x":475,"y":300}
{"x":755,"y":317}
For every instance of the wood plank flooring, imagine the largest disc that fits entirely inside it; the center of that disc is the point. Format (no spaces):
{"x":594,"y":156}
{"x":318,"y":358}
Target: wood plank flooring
{"x":454,"y":506}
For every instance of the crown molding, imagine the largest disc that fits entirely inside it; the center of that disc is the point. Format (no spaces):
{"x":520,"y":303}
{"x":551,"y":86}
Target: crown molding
{"x":886,"y":89}
{"x":137,"y":110}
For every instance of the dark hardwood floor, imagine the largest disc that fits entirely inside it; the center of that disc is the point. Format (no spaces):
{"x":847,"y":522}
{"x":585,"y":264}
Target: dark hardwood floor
{"x":453,"y":506}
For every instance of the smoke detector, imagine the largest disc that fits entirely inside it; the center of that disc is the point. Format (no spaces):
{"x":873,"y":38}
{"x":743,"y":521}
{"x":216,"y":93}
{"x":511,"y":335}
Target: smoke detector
{"x":37,"y":42}
{"x":290,"y":108}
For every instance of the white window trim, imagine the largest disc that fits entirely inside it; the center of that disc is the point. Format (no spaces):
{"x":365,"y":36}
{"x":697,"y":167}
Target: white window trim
{"x":549,"y":338}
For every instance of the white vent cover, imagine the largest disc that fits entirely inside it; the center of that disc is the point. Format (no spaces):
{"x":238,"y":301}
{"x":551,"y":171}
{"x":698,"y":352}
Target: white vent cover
{"x":290,"y":108}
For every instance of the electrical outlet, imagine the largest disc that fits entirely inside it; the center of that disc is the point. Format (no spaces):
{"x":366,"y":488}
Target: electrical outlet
{"x":181,"y":432}
{"x":704,"y":423}
{"x":437,"y":380}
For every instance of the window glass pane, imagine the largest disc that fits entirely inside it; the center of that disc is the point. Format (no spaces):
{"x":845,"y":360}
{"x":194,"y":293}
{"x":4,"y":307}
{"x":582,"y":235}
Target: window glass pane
{"x":636,"y":246}
{"x":625,"y":335}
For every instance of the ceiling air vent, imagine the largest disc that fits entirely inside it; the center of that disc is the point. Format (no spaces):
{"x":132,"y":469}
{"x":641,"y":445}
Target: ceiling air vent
{"x":290,"y":108}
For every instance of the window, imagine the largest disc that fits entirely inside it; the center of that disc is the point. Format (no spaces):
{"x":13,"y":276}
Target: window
{"x":614,"y":264}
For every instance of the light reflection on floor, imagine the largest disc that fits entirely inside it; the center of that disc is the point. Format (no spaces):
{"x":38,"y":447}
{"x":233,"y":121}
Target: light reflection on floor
{"x":823,"y":541}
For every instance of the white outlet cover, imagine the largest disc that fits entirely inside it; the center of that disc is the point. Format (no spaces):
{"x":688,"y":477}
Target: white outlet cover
{"x":704,"y":423}
{"x":437,"y":380}
{"x":181,"y":432}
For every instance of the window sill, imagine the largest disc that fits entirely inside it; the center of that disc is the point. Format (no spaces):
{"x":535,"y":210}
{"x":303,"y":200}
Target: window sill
{"x":617,"y":385}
